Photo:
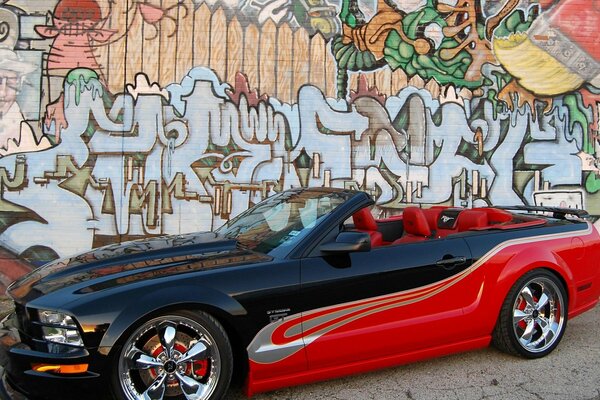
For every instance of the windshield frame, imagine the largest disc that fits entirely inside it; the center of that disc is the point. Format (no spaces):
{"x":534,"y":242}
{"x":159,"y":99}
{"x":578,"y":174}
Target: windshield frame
{"x":280,"y":243}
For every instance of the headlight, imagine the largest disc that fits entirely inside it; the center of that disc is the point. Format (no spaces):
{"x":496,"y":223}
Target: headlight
{"x":59,"y":328}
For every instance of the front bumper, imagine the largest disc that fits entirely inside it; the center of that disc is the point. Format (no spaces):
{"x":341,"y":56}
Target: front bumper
{"x":8,"y":338}
{"x":20,"y":382}
{"x":6,"y":390}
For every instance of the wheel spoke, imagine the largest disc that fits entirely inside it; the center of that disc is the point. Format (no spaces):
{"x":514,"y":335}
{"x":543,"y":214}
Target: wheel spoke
{"x":526,"y":336}
{"x":542,"y":302}
{"x":137,"y":359}
{"x":167,"y":339}
{"x":528,"y":297}
{"x":519,"y":316}
{"x":199,"y":351}
{"x":156,"y":391}
{"x":192,"y":389}
{"x":173,"y":356}
{"x":547,"y":332}
{"x":545,"y":325}
{"x":538,"y":315}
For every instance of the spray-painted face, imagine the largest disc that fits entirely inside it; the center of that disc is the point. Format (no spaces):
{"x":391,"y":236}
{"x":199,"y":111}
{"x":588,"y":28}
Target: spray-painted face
{"x":10,"y":83}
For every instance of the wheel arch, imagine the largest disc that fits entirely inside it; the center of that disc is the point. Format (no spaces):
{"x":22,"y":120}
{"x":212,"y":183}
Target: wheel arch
{"x":513,"y":338}
{"x":530,"y":259}
{"x":157,"y":302}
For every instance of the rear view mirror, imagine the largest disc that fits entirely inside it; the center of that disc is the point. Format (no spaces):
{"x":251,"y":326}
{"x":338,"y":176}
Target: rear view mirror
{"x":348,"y":242}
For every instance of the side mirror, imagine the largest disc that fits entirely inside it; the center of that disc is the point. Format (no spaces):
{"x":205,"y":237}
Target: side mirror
{"x":348,"y":242}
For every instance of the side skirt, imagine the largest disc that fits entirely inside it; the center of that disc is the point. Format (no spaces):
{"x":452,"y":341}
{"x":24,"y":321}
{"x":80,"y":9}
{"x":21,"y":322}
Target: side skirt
{"x":253,"y":387}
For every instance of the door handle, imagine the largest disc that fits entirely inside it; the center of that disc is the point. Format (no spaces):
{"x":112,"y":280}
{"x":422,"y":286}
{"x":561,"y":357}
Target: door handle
{"x":451,"y":262}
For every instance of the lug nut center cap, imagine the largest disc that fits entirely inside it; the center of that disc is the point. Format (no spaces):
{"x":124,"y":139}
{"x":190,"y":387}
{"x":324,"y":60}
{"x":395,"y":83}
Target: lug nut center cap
{"x":170,"y":366}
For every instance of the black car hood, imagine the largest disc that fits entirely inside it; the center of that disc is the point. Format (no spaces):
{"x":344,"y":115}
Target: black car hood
{"x":128,"y":262}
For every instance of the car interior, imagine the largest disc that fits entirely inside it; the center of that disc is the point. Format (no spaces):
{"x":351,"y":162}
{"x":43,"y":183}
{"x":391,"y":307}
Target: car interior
{"x":417,"y":224}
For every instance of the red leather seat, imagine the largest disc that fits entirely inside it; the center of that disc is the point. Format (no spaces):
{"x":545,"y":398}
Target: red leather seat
{"x":496,"y":216}
{"x":432,"y":214}
{"x":364,"y":222}
{"x":468,"y":219}
{"x":416,"y":227}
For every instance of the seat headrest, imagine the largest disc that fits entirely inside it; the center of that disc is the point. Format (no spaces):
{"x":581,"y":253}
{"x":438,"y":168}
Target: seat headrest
{"x":472,"y":219}
{"x":415,"y":222}
{"x":363,"y":220}
{"x":497,"y":216}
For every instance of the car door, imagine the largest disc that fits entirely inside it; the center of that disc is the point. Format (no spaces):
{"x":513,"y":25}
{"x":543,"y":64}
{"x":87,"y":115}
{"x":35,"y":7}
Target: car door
{"x":389,"y":300}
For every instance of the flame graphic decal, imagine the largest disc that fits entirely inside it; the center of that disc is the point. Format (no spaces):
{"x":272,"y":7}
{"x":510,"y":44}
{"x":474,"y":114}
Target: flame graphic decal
{"x":284,"y":338}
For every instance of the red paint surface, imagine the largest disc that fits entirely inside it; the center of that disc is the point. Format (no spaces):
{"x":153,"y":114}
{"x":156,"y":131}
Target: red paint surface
{"x":78,"y":10}
{"x":459,"y":317}
{"x":578,"y":19}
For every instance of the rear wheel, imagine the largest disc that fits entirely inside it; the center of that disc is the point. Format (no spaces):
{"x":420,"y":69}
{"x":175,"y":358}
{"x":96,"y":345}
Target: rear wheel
{"x":180,"y":355}
{"x":533,"y":318}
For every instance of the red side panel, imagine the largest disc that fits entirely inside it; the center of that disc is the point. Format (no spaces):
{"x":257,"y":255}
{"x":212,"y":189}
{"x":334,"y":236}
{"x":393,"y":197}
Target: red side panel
{"x":336,"y":371}
{"x":455,"y":314}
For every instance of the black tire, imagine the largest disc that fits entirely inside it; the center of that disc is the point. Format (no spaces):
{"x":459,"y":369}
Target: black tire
{"x":533,"y":317}
{"x":172,"y":353}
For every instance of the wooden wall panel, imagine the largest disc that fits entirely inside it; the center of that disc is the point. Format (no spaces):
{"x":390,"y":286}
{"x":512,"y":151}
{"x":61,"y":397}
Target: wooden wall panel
{"x":235,"y":50}
{"x":330,"y":88}
{"x":116,"y":49}
{"x":383,"y":80}
{"x":317,"y":61}
{"x":168,"y":46}
{"x":218,"y":43}
{"x":285,"y":64}
{"x":185,"y":36}
{"x":268,"y":57}
{"x":134,"y":49}
{"x":151,"y":48}
{"x":201,"y":48}
{"x":251,"y":56}
{"x":399,"y":81}
{"x":301,"y":59}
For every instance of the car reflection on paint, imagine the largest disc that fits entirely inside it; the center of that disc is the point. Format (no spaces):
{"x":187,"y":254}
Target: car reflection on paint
{"x":304,"y":286}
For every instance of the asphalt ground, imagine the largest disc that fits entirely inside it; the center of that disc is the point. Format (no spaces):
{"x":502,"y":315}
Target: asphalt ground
{"x":570,"y":372}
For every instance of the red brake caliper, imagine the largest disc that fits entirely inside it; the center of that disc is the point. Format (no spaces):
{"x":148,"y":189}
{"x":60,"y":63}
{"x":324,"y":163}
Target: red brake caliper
{"x":200,"y":367}
{"x":522,"y":304}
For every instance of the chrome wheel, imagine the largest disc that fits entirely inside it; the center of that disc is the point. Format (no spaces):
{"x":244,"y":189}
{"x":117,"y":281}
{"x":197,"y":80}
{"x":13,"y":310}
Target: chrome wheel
{"x":538,"y":314}
{"x":175,"y":357}
{"x":533,"y":318}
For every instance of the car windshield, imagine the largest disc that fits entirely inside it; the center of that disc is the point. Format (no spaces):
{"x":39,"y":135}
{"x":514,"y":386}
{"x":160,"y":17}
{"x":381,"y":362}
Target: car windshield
{"x":280,"y":221}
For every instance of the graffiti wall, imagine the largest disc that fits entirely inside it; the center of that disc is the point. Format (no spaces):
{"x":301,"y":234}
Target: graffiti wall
{"x":129,"y":118}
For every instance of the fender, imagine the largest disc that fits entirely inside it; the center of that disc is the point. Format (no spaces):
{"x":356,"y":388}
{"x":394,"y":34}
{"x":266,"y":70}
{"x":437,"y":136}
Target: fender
{"x":510,"y":260}
{"x":154,"y":300}
{"x":527,"y":258}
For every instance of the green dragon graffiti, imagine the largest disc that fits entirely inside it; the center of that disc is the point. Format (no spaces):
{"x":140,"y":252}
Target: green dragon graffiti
{"x":443,"y":40}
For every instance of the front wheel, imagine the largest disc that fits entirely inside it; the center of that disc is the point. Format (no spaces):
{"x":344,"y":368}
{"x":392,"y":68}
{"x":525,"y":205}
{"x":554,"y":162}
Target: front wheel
{"x":179,"y":355}
{"x":533,"y":318}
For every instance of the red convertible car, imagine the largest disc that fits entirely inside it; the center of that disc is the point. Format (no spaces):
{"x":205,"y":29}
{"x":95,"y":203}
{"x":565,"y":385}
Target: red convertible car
{"x":304,"y":286}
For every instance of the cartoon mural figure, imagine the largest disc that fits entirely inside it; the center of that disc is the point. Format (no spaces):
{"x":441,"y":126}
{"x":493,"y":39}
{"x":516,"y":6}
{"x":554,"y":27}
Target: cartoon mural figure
{"x":550,"y":56}
{"x":16,"y":135}
{"x":552,"y":59}
{"x":314,"y":15}
{"x":77,"y":25}
{"x":447,"y":40}
{"x":554,"y":56}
